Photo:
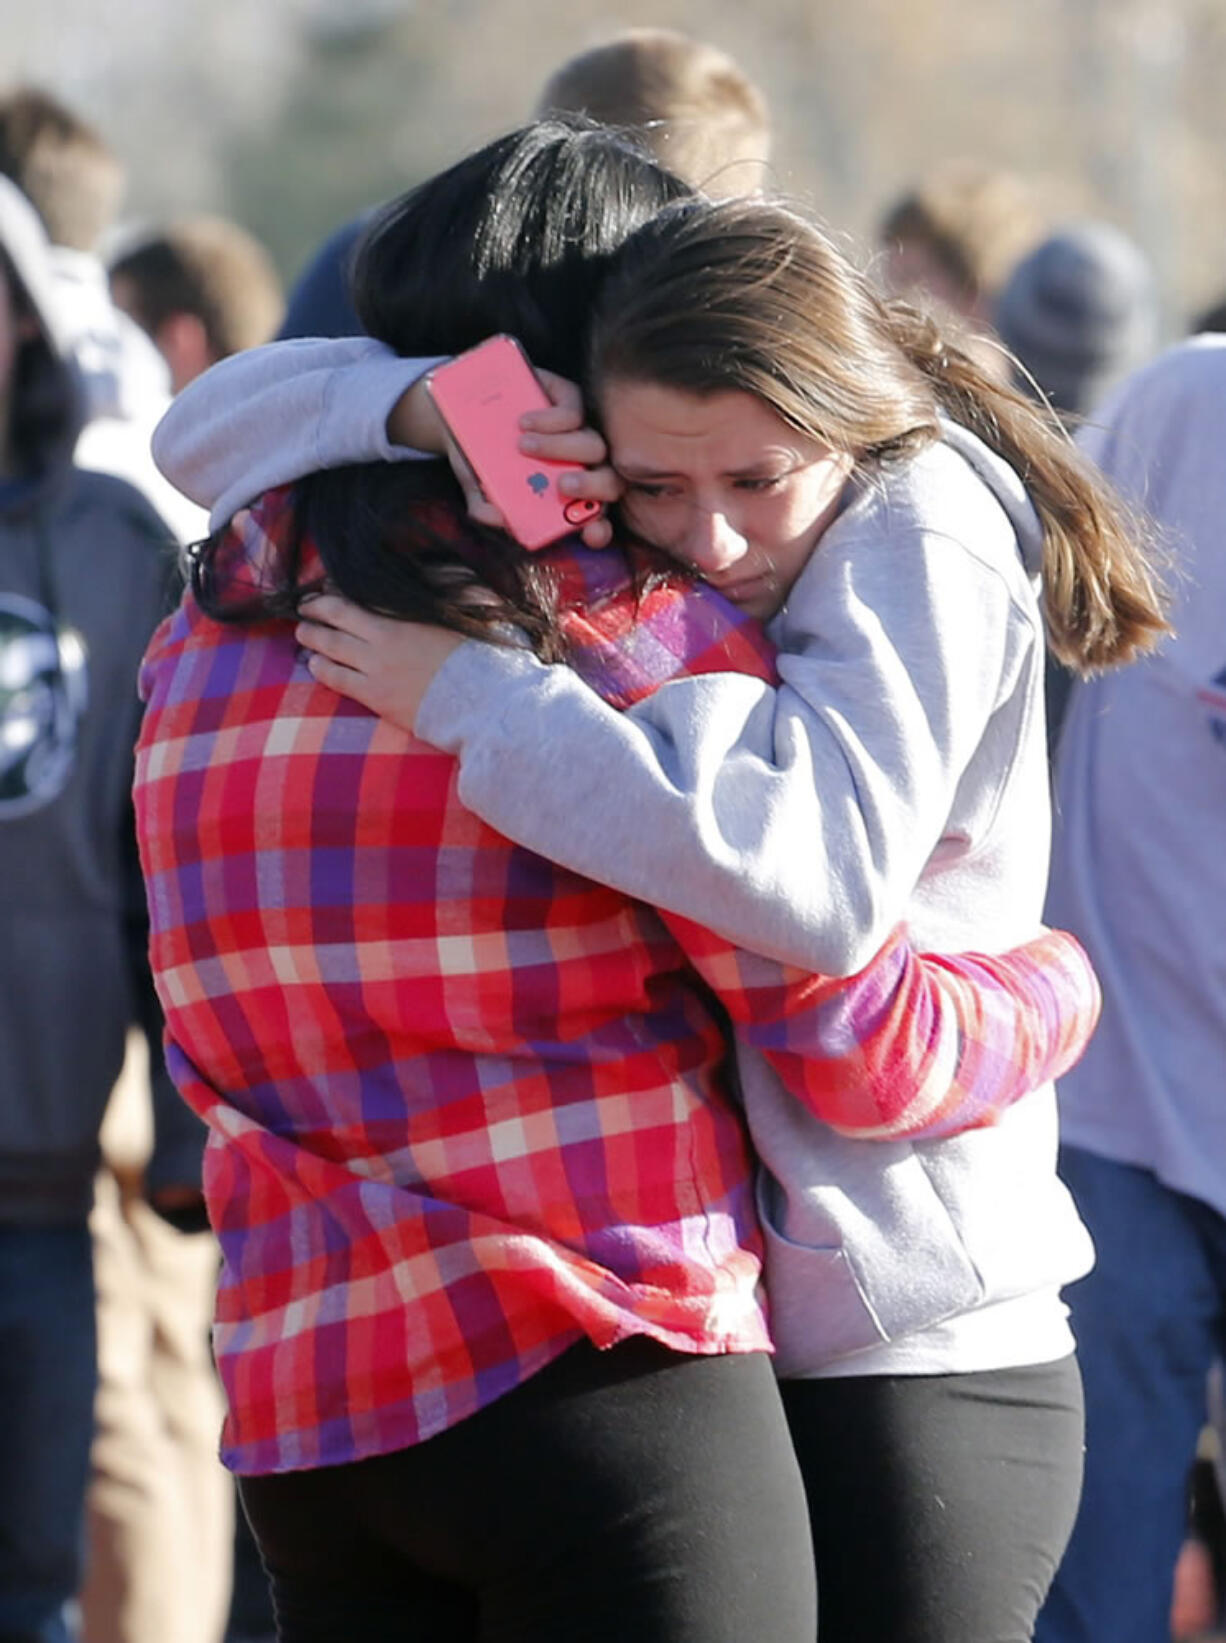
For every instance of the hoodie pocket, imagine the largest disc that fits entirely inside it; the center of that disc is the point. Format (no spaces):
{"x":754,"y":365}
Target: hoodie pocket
{"x":872,"y":1260}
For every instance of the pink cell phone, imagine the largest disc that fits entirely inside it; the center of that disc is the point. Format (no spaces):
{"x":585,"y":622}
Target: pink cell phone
{"x":481,"y":396}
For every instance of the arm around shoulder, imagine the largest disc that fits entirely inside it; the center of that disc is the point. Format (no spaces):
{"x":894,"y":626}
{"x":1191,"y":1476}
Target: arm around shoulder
{"x":795,"y":822}
{"x":269,"y":415}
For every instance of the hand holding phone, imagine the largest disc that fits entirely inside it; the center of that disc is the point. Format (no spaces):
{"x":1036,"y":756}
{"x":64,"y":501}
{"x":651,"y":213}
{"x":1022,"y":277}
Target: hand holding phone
{"x":480,"y":396}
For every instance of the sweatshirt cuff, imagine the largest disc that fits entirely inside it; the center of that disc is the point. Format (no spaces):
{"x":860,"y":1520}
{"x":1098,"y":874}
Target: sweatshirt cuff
{"x":357,"y":404}
{"x":464,"y":689}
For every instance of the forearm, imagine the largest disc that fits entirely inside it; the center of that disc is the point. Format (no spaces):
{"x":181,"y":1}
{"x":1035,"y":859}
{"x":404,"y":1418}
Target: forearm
{"x":625,"y":811}
{"x":267,"y":416}
{"x":917,"y":1045}
{"x":712,"y":802}
{"x":796,"y":821}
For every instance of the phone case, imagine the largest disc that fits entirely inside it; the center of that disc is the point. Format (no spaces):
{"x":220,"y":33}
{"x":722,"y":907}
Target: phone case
{"x":481,"y":396}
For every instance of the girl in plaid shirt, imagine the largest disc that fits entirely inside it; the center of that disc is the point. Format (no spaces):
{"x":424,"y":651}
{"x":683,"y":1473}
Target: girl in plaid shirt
{"x":918,"y":1031}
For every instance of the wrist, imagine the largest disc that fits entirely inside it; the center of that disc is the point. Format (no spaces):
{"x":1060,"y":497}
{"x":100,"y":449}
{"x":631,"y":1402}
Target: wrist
{"x":414,"y":422}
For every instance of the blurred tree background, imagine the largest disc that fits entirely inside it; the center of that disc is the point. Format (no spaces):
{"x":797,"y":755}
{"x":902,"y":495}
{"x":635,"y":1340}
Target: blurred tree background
{"x":293,"y":114}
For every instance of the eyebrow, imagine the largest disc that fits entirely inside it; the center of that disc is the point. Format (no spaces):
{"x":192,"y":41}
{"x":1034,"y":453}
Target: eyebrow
{"x":752,"y":470}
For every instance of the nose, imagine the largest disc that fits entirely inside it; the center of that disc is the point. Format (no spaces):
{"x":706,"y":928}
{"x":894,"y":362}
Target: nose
{"x":713,"y":543}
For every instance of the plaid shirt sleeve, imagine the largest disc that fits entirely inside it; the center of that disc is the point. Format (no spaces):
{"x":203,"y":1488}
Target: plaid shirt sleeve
{"x":915,"y":1045}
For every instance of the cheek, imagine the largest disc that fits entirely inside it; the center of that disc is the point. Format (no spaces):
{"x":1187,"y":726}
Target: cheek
{"x":815,"y":503}
{"x":778,"y":524}
{"x":662,"y":523}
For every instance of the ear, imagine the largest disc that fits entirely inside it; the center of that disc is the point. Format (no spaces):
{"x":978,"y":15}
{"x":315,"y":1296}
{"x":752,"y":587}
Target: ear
{"x":184,"y":345}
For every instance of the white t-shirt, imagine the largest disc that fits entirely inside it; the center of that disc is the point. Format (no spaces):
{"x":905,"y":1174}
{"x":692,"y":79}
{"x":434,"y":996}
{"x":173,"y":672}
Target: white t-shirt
{"x":1139,"y":864}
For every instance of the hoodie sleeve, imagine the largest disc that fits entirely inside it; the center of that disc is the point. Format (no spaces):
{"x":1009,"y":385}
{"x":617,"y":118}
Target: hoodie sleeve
{"x":794,"y":821}
{"x":269,"y":415}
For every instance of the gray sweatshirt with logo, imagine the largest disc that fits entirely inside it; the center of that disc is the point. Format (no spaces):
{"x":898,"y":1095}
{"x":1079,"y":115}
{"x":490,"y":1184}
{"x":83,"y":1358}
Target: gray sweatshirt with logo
{"x":86,"y":571}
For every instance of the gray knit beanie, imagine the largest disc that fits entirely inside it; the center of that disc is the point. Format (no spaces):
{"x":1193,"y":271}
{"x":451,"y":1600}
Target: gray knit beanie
{"x":1079,"y":312}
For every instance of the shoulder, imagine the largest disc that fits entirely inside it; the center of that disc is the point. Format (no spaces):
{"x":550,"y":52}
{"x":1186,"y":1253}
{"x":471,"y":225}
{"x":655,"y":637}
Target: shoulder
{"x":926,"y":558}
{"x":1184,"y":389}
{"x":1160,"y":437}
{"x":107,"y":524}
{"x":117,"y":502}
{"x":1192,"y":370}
{"x":938,"y":507}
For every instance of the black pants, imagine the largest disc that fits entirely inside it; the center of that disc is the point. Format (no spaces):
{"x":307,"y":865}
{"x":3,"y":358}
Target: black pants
{"x":940,"y":1504}
{"x":629,"y":1496}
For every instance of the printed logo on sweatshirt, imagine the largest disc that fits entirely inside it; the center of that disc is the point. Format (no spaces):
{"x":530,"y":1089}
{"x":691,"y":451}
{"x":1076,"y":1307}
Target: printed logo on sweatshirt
{"x":1214,"y":697}
{"x":43,"y":691}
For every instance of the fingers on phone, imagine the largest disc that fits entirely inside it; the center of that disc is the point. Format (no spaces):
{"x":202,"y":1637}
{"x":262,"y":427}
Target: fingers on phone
{"x":566,"y":395}
{"x":558,"y":419}
{"x":597,"y":534}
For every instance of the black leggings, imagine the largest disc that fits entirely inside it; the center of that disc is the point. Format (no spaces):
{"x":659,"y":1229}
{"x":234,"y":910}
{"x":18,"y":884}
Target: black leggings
{"x":940,"y":1504}
{"x":629,"y":1496}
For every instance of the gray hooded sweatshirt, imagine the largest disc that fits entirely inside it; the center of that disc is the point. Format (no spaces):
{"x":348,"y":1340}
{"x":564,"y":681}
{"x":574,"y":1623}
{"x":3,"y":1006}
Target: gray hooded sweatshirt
{"x":86,"y":570}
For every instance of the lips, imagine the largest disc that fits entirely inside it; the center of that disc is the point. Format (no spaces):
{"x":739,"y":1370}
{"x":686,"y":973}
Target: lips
{"x":744,"y":589}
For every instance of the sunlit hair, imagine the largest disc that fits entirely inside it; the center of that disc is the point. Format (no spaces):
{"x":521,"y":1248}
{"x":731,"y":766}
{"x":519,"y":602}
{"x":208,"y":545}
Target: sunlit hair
{"x":44,"y":408}
{"x":974,"y":220}
{"x":751,"y":297}
{"x":516,"y":238}
{"x":689,"y":103}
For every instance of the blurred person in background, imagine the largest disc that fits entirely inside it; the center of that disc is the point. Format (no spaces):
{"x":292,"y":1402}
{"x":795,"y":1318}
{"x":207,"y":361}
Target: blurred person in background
{"x":1079,"y":312}
{"x":160,"y":1505}
{"x":86,"y":572}
{"x":1138,"y":871}
{"x":1199,"y":1586}
{"x":75,"y":182}
{"x":692,"y":106}
{"x":694,"y":109}
{"x":948,"y":243}
{"x":201,"y":288}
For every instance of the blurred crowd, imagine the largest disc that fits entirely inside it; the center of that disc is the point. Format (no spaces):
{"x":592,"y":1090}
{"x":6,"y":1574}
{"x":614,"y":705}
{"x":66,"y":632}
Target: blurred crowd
{"x":117,"y":1521}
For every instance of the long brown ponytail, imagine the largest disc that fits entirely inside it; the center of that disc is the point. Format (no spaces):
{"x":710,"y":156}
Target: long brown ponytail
{"x":749,"y":296}
{"x":1101,"y":593}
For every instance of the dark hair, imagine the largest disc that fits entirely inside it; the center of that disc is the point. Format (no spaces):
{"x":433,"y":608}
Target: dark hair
{"x":209,"y":267}
{"x":752,"y":297}
{"x":513,"y":238}
{"x":44,"y":405}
